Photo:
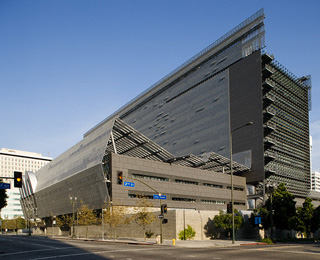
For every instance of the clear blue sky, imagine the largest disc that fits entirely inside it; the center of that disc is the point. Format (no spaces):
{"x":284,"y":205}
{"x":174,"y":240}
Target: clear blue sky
{"x":65,"y":65}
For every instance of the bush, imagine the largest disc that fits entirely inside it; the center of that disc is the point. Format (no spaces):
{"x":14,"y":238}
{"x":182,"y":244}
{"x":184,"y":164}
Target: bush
{"x":188,"y":233}
{"x":267,"y":240}
{"x":149,"y":233}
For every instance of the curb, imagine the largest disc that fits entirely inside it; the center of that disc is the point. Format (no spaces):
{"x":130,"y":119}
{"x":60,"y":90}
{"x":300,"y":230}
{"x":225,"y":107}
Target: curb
{"x":107,"y":241}
{"x":254,"y":244}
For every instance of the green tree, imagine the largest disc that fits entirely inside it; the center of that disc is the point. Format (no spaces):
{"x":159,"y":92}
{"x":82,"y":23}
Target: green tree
{"x":3,"y":198}
{"x":86,"y":217}
{"x":144,"y":216}
{"x":20,"y":222}
{"x":304,"y":216}
{"x":281,"y":203}
{"x":64,"y":222}
{"x":315,"y":221}
{"x":115,"y":216}
{"x":188,"y":233}
{"x":223,"y":221}
{"x":297,"y":224}
{"x":10,"y":224}
{"x":265,"y":217}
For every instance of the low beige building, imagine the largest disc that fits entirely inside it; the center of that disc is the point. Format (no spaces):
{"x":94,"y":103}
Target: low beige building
{"x":183,"y":187}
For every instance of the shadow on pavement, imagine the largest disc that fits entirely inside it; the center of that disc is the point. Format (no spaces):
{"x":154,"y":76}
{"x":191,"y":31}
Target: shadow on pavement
{"x":42,"y":247}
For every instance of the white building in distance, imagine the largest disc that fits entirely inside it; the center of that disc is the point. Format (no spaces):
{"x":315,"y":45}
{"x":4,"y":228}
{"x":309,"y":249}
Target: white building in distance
{"x":14,"y":160}
{"x":315,"y":181}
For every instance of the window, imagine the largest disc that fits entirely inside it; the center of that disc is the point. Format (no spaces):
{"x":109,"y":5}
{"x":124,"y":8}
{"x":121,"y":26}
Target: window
{"x":149,"y":177}
{"x":186,"y":182}
{"x":213,"y":185}
{"x":184,"y":199}
{"x":132,"y":196}
{"x":235,"y":188}
{"x":213,"y":202}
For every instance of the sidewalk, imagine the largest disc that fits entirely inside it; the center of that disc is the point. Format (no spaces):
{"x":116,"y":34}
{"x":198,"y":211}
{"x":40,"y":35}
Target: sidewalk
{"x":166,"y":242}
{"x":207,"y":243}
{"x":178,"y":243}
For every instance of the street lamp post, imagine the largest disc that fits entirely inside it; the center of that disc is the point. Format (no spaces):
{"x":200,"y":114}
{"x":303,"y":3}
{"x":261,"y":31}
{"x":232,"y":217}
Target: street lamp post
{"x":29,"y":219}
{"x":270,"y":188}
{"x":231,"y":172}
{"x":73,"y":201}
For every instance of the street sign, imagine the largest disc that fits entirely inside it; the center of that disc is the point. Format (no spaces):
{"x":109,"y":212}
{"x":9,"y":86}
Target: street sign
{"x":128,"y":184}
{"x":257,"y":220}
{"x":159,"y":197}
{"x":161,"y":216}
{"x":4,"y":186}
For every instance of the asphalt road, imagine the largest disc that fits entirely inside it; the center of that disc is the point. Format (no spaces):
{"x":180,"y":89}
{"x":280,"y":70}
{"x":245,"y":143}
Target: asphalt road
{"x":36,"y":248}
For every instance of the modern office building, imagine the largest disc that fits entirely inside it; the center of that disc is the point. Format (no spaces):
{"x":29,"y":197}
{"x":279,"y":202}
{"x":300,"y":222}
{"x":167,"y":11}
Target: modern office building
{"x":187,"y":119}
{"x":232,"y":82}
{"x":14,"y":160}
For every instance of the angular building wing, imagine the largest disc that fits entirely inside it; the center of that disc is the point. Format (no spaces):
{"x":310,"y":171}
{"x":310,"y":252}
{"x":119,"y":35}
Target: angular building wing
{"x":87,"y":172}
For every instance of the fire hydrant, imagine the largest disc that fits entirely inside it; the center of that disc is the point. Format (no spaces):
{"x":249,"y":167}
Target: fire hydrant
{"x":173,"y":241}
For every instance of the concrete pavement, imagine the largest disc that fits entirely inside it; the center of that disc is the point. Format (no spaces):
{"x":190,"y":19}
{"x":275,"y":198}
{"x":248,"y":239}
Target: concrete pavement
{"x":166,"y":242}
{"x":177,"y":243}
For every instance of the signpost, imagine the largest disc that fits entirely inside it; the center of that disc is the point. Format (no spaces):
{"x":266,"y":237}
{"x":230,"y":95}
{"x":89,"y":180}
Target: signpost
{"x":128,"y":184}
{"x":4,"y":186}
{"x":159,"y":197}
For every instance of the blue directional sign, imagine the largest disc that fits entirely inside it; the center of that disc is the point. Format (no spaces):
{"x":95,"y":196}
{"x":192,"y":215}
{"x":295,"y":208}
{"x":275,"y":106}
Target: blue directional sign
{"x":257,"y":220}
{"x":4,"y":185}
{"x":159,"y":197}
{"x":128,"y":184}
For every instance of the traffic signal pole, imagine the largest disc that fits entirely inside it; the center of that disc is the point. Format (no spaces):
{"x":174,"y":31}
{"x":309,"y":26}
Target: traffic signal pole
{"x":17,"y":179}
{"x":161,"y":227}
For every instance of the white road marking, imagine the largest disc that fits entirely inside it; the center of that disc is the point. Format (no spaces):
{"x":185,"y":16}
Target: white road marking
{"x":279,"y":249}
{"x":93,"y":253}
{"x":38,"y":250}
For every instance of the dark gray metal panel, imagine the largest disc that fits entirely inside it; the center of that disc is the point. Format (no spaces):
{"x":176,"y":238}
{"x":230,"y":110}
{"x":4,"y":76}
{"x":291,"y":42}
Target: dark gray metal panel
{"x":82,"y":156}
{"x":249,"y":34}
{"x":88,"y":186}
{"x":191,"y":115}
{"x":246,"y":106}
{"x":185,"y":124}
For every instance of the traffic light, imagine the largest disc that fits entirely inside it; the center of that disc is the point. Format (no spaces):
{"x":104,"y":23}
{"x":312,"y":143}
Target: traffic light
{"x":164,"y":208}
{"x":18,"y":179}
{"x":164,"y":221}
{"x":120,"y":178}
{"x":229,"y":208}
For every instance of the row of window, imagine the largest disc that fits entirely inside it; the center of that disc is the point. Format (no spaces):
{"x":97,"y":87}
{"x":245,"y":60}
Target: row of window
{"x":20,"y":160}
{"x":23,"y":163}
{"x":181,"y":181}
{"x":193,"y":200}
{"x":21,"y":167}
